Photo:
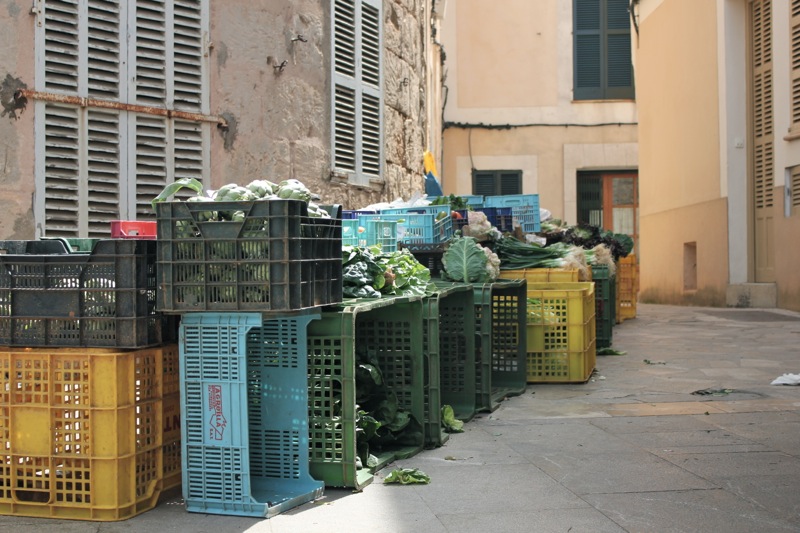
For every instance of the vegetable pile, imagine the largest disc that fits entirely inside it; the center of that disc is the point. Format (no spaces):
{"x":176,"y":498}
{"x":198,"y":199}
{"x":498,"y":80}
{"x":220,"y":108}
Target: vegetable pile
{"x":371,"y":273}
{"x":290,"y":189}
{"x":381,"y":421}
{"x":467,"y":261}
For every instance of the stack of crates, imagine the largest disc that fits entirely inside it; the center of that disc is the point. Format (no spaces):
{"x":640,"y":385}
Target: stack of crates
{"x":627,"y":289}
{"x":89,"y":403}
{"x":247,"y":291}
{"x":524,"y":209}
{"x":387,"y":333}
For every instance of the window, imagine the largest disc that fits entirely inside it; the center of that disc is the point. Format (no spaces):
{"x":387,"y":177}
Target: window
{"x":602,"y":50}
{"x":95,"y":160}
{"x":357,"y":127}
{"x":494,"y":182}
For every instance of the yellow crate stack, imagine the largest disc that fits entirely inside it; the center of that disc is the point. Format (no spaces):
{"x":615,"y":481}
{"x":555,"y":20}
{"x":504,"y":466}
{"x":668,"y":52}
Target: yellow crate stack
{"x":84,"y":431}
{"x":627,"y":288}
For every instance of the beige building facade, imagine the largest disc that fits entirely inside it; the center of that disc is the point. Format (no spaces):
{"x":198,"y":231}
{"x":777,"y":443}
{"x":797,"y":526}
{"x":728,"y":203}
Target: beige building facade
{"x":104,"y":102}
{"x":719,"y":110}
{"x":511,"y":102}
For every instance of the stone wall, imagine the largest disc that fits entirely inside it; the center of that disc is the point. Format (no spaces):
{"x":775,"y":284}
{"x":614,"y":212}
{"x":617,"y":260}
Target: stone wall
{"x":281,"y":117}
{"x":269,"y":73}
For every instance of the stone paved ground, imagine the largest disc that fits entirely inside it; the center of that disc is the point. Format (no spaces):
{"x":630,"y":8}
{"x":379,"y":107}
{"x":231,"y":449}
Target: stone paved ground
{"x":631,"y":450}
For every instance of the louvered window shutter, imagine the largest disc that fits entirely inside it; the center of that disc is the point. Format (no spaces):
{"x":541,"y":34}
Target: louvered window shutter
{"x":187,"y":63}
{"x":795,"y":62}
{"x":494,"y":182}
{"x":61,"y":202}
{"x":602,"y":50}
{"x":510,"y":182}
{"x":619,"y":69}
{"x":795,"y":189}
{"x":357,"y":89}
{"x":483,"y":183}
{"x":97,"y":163}
{"x":762,"y":104}
{"x":169,"y":54}
{"x":587,"y":50}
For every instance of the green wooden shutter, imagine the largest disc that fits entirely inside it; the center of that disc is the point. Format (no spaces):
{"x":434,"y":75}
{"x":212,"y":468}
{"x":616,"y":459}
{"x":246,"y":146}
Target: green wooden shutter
{"x":602,"y":50}
{"x":510,"y":182}
{"x":619,"y":70}
{"x":588,"y":50}
{"x":483,"y":183}
{"x":494,"y":182}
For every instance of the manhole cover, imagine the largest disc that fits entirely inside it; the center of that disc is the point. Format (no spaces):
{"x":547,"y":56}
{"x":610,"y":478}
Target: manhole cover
{"x":752,"y":316}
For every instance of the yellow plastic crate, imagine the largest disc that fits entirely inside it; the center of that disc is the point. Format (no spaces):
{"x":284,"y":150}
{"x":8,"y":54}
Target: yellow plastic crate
{"x":561,"y":332}
{"x":627,"y":288}
{"x":542,"y":275}
{"x":82,"y":431}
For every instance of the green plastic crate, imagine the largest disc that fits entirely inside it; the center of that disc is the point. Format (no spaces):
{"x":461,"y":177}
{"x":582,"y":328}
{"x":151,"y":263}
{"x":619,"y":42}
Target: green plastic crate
{"x":605,"y":304}
{"x":500,"y":357}
{"x":448,"y":315}
{"x":390,"y":329}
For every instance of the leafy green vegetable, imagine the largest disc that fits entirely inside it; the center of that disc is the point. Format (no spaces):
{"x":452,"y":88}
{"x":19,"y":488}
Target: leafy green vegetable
{"x":456,"y":203}
{"x":381,"y":422}
{"x":370,"y":272}
{"x":465,"y":260}
{"x":175,"y":186}
{"x":450,"y":422}
{"x":406,"y":476}
{"x":610,"y":351}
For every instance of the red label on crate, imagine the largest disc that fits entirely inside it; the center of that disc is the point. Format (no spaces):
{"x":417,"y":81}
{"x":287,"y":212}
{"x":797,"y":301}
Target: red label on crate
{"x":217,"y":423}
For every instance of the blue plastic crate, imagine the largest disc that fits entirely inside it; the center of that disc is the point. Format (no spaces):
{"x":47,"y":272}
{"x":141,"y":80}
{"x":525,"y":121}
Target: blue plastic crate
{"x":524,"y":208}
{"x":416,"y":227}
{"x":383,"y":232}
{"x":499,"y":217}
{"x":244,"y":406}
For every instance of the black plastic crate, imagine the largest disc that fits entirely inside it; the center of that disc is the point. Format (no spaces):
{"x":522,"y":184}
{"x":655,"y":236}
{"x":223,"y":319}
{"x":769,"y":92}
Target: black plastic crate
{"x":276,"y":259}
{"x":103,"y":298}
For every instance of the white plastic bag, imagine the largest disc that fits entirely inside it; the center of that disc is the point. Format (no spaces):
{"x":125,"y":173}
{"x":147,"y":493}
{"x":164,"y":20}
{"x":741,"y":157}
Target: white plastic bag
{"x":787,"y":379}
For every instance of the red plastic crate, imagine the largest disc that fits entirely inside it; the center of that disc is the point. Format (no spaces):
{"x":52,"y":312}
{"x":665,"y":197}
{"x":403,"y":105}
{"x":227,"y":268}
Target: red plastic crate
{"x":133,"y":229}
